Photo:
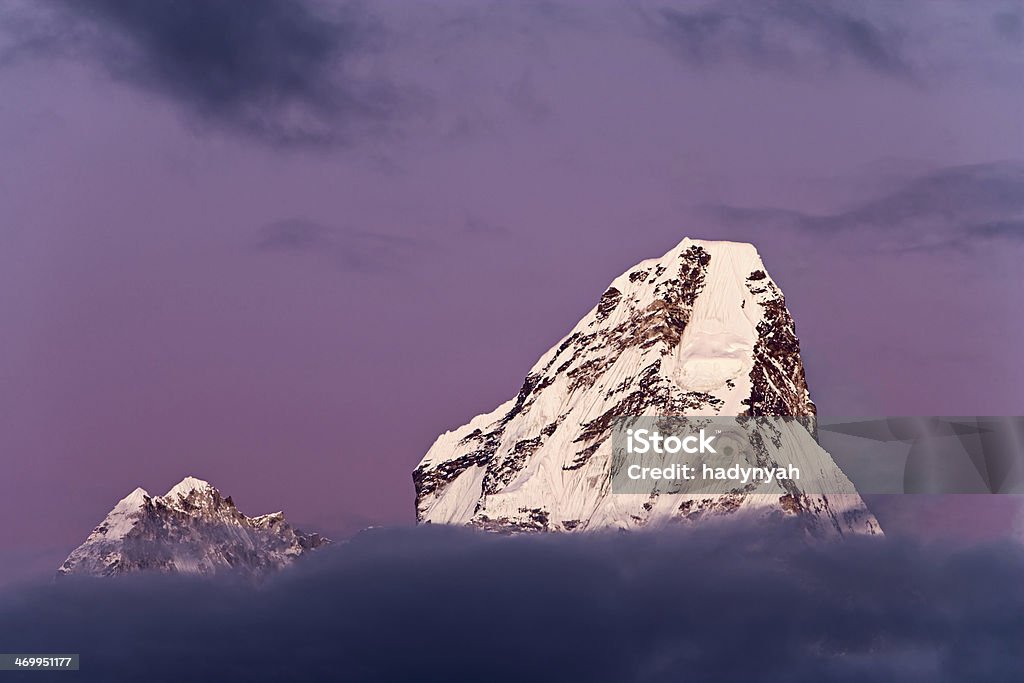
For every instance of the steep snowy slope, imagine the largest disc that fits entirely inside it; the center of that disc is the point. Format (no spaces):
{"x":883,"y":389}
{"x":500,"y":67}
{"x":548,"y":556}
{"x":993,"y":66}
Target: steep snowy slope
{"x":702,"y":331}
{"x":191,"y":529}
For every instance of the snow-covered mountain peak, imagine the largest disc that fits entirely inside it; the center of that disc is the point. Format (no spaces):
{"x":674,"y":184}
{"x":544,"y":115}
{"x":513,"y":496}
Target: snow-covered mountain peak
{"x":190,"y":529}
{"x":187,"y":486}
{"x":123,"y":517}
{"x":133,"y":500}
{"x":700,"y":331}
{"x":268,"y":520}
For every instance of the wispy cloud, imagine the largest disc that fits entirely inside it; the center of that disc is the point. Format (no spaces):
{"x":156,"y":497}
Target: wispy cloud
{"x":347,"y":248}
{"x":943,"y":208}
{"x":1009,"y":25}
{"x":792,"y":35}
{"x":477,"y":226}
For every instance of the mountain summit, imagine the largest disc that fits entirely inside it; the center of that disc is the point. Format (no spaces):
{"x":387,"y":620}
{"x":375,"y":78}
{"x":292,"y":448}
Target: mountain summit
{"x":702,"y":331}
{"x":191,"y":529}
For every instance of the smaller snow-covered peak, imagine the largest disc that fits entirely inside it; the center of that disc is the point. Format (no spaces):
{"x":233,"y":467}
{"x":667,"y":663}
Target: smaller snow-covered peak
{"x":187,"y":486}
{"x":123,"y":518}
{"x":190,"y":529}
{"x":133,"y":500}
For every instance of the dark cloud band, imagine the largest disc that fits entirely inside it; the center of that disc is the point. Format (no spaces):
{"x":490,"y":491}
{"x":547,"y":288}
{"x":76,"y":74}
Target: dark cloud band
{"x":444,"y":604}
{"x":277,"y":70}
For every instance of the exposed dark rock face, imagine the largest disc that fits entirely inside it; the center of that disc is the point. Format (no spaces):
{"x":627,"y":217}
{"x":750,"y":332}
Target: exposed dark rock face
{"x":778,"y":385}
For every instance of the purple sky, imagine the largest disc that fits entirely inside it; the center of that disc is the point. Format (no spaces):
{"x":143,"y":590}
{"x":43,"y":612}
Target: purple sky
{"x":283,"y":251}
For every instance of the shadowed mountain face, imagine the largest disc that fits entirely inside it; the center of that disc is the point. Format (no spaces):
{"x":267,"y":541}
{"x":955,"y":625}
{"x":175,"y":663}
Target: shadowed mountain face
{"x":191,"y":529}
{"x":702,"y":331}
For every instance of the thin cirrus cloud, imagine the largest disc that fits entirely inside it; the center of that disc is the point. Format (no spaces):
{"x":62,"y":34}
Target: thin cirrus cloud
{"x":279,"y":71}
{"x":791,"y":35}
{"x":1009,"y":25}
{"x":346,"y":248}
{"x":947,"y":207}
